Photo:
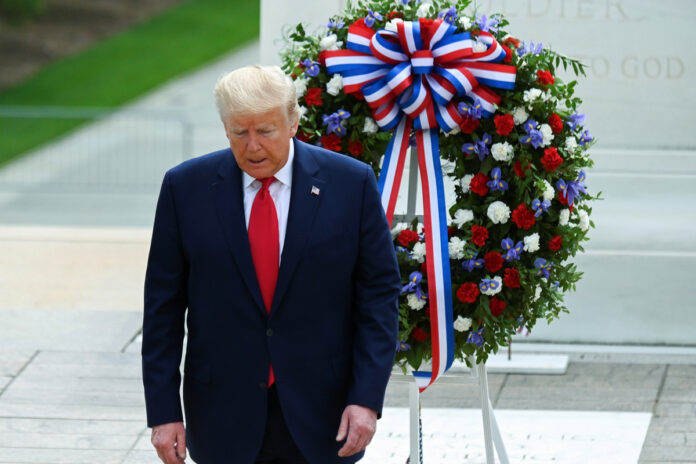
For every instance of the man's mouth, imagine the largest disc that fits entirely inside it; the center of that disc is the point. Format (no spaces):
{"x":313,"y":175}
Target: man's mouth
{"x":257,"y":162}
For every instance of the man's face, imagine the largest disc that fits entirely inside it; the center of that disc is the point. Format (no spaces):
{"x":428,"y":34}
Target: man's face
{"x":260,"y":142}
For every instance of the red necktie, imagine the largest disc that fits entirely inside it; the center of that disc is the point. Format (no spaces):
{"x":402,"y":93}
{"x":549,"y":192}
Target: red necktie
{"x":264,"y":242}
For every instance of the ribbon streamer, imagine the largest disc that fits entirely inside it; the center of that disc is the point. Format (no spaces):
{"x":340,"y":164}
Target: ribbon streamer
{"x":410,"y":79}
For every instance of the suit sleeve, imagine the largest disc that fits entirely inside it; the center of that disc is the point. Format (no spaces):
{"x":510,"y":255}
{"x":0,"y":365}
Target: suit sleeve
{"x":164,"y":316}
{"x":377,"y":286}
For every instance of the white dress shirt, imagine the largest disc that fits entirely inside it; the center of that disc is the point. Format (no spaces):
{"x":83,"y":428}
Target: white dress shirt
{"x":280,"y":192}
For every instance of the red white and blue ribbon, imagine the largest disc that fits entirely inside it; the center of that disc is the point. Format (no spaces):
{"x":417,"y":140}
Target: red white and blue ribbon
{"x":410,"y":79}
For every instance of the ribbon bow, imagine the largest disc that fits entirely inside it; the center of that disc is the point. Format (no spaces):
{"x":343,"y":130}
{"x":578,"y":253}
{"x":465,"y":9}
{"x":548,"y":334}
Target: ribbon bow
{"x":410,"y":78}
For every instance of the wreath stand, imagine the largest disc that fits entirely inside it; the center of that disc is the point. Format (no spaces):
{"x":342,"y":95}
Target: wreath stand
{"x":491,"y":432}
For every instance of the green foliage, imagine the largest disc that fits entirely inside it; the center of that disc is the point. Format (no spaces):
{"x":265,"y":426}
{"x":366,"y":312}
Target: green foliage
{"x":17,"y":11}
{"x":127,"y":65}
{"x":537,"y":297}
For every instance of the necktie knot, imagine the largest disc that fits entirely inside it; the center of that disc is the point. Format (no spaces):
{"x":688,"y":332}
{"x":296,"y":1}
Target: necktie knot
{"x":265,"y":183}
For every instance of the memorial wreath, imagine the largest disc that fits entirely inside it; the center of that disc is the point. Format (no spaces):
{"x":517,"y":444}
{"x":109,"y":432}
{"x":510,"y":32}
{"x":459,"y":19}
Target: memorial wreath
{"x":490,"y":112}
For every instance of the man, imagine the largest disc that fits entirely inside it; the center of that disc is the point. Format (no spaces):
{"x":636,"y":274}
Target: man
{"x":283,"y":257}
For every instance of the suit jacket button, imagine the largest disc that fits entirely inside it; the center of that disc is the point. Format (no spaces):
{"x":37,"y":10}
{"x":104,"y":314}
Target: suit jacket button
{"x":262,"y":385}
{"x":269,"y":332}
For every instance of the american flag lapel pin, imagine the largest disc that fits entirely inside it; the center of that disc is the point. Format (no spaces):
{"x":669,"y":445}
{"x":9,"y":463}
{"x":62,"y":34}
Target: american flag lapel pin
{"x":315,"y":190}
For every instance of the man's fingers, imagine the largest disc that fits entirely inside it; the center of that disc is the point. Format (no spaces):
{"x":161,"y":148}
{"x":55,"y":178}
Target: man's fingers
{"x":181,"y":444}
{"x":350,"y":447}
{"x":343,"y":428}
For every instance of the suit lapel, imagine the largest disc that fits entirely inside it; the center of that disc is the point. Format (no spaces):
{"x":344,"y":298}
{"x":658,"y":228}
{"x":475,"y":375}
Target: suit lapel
{"x":229,"y":203}
{"x":305,"y":194}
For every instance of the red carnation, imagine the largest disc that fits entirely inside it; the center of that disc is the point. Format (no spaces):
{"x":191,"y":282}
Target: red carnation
{"x":331,"y":142}
{"x":551,"y":159}
{"x":493,"y":261}
{"x":545,"y":77}
{"x":479,"y":235}
{"x":468,"y":292}
{"x":313,"y":97}
{"x":419,"y":334}
{"x":556,"y":123}
{"x":478,"y":184}
{"x":555,"y":243}
{"x":303,"y":136}
{"x":519,"y":170}
{"x":504,"y":123}
{"x":512,"y":41}
{"x":406,"y":237}
{"x":450,"y":231}
{"x":523,"y":217}
{"x":497,"y":306}
{"x":564,"y":201}
{"x":511,"y":277}
{"x":355,"y":148}
{"x":394,"y":14}
{"x":469,"y":125}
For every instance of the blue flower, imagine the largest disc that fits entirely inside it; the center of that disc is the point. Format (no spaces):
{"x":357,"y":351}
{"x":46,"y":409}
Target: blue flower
{"x":496,"y":182}
{"x":338,"y":24}
{"x":334,"y":122}
{"x":480,"y":147}
{"x":575,"y":120}
{"x":413,"y":285}
{"x":512,"y":249}
{"x":402,"y":346}
{"x":540,"y":206}
{"x":371,"y":17}
{"x":488,"y":285}
{"x":534,"y":137}
{"x":573,"y":188}
{"x":472,"y":263}
{"x":585,"y":137}
{"x":543,"y":266}
{"x":312,"y":67}
{"x":449,"y":15}
{"x":488,"y":24}
{"x":473,"y":110}
{"x":476,"y":337}
{"x":534,"y":50}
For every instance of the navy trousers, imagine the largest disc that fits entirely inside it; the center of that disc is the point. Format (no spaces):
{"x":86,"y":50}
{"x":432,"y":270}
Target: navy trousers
{"x":278,"y":446}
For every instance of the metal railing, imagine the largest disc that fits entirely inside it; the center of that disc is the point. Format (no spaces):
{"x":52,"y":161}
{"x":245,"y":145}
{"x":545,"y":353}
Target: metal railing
{"x":94,"y":149}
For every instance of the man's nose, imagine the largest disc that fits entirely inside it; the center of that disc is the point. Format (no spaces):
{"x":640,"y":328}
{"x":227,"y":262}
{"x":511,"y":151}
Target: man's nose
{"x":253,"y":144}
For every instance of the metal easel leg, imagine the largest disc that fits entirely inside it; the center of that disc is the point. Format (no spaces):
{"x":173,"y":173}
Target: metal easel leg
{"x":491,"y":432}
{"x":416,"y":456}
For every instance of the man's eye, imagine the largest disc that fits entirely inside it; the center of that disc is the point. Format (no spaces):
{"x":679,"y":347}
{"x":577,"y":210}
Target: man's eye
{"x":240,"y":133}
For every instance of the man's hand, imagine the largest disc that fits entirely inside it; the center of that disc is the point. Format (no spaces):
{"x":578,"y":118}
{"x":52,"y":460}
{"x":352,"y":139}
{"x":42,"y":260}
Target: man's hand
{"x":170,"y":442}
{"x":359,"y":424}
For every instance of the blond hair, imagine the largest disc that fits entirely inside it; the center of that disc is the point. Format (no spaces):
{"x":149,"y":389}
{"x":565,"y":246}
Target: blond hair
{"x":254,"y":90}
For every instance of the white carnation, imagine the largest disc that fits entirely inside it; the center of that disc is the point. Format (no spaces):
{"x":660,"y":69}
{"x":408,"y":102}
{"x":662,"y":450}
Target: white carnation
{"x":537,"y":292}
{"x":465,"y":181}
{"x":303,"y":111}
{"x":424,"y":10}
{"x":391,"y":25}
{"x":479,"y":47}
{"x":520,"y":115}
{"x":583,"y":220}
{"x":498,"y":212}
{"x":563,"y":217}
{"x":548,"y":193}
{"x":495,"y":291}
{"x":462,"y":216}
{"x":418,"y":252}
{"x":456,"y":248}
{"x":531,"y":243}
{"x":334,"y":86}
{"x":330,"y":42}
{"x":398,"y":228}
{"x":370,"y":126}
{"x":462,"y":324}
{"x":547,"y":134}
{"x":447,"y":166}
{"x":300,"y":86}
{"x":414,"y":302}
{"x":571,"y":143}
{"x":502,"y":151}
{"x":532,"y":95}
{"x":454,"y":131}
{"x":465,"y":22}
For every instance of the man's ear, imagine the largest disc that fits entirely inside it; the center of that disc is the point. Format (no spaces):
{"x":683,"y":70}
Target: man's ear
{"x":294,"y":126}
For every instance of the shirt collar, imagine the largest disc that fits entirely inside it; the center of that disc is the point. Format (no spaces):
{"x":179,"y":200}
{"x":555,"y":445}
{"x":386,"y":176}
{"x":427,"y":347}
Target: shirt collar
{"x":284,"y":175}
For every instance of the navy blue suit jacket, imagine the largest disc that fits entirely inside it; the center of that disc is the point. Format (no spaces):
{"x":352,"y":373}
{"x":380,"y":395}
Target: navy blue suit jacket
{"x":332,"y":330}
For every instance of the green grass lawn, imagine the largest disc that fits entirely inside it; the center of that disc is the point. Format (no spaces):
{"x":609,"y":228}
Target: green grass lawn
{"x":126,"y":66}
